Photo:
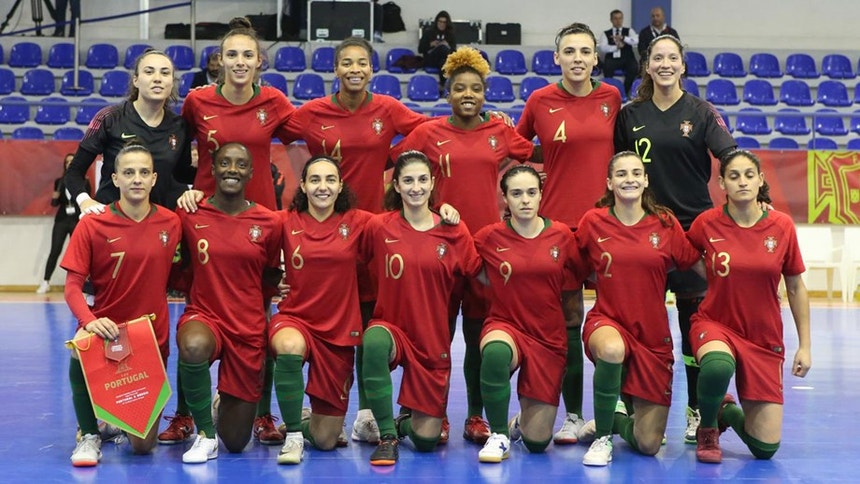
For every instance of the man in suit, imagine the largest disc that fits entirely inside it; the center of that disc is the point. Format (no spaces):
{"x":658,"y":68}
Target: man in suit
{"x":657,"y":28}
{"x":616,"y":46}
{"x":208,"y":75}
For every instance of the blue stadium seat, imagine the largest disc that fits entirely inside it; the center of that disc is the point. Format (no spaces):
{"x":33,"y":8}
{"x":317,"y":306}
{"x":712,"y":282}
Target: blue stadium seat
{"x":747,"y":143}
{"x":132,"y":53}
{"x":68,"y":134}
{"x":393,"y":55}
{"x":308,"y":86}
{"x":721,"y":92}
{"x":790,"y":121}
{"x":833,"y":93}
{"x":499,"y":89}
{"x":7,"y":81}
{"x":374,"y":61}
{"x":14,"y":110}
{"x":204,"y":55}
{"x":86,"y":85}
{"x":783,"y":144}
{"x":278,"y":81}
{"x":638,"y":81}
{"x":543,"y":63}
{"x":752,"y":122}
{"x":853,"y":144}
{"x":2,"y":58}
{"x":765,"y":65}
{"x":290,"y":59}
{"x":689,"y":85}
{"x":531,"y":84}
{"x":322,"y":59}
{"x":53,"y":110}
{"x":423,"y":87}
{"x":114,"y":83}
{"x":102,"y":56}
{"x":37,"y":82}
{"x":829,"y":126}
{"x":729,"y":64}
{"x":442,"y":109}
{"x":801,"y":66}
{"x":697,"y":65}
{"x":386,"y":84}
{"x":185,"y":81}
{"x":511,"y":62}
{"x":854,"y":123}
{"x":182,"y":56}
{"x":837,"y":66}
{"x":88,"y":108}
{"x":61,"y":55}
{"x":413,"y":106}
{"x":822,"y":144}
{"x":795,"y":93}
{"x":515,"y":112}
{"x":28,"y":132}
{"x":335,"y":85}
{"x":759,"y":93}
{"x":25,"y":54}
{"x":618,"y":84}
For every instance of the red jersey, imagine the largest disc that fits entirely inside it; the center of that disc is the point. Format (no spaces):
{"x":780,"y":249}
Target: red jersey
{"x":228,"y":254}
{"x":742,"y":263}
{"x":526,"y":278}
{"x":576,"y":136}
{"x":630,"y":263}
{"x":358,"y":140}
{"x":215,"y":121}
{"x":320,"y":269}
{"x":467,"y":164}
{"x":416,"y":272}
{"x":128,"y":263}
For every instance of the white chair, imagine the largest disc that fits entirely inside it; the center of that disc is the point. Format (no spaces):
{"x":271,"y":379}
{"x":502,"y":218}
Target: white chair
{"x":816,"y":246}
{"x":850,"y":262}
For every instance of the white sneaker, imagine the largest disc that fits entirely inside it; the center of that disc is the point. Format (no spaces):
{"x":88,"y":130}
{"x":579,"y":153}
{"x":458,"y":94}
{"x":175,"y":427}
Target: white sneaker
{"x":291,"y":452}
{"x":88,"y":452}
{"x":514,"y":428}
{"x":497,"y":449}
{"x":693,"y":420}
{"x":600,"y":452}
{"x":586,"y":432}
{"x":569,"y":430}
{"x":44,"y":288}
{"x":202,"y":450}
{"x":364,"y":429}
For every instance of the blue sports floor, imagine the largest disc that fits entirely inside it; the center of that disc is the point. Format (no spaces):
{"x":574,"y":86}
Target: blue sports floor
{"x":37,"y":423}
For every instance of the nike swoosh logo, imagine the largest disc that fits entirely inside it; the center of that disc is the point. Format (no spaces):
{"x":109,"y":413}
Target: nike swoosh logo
{"x":128,"y":136}
{"x":296,"y":232}
{"x":637,"y":128}
{"x":198,"y":226}
{"x":440,"y":143}
{"x":207,"y":118}
{"x":602,"y":239}
{"x":324,"y":127}
{"x":502,"y":249}
{"x":111,"y":241}
{"x":554,"y":110}
{"x":712,"y":240}
{"x":391,"y":241}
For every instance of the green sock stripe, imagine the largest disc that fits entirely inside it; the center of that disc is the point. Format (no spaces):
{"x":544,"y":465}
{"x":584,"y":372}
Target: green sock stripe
{"x":536,"y":446}
{"x":759,"y":449}
{"x":496,"y":384}
{"x":197,"y":384}
{"x":571,"y":388}
{"x":717,"y":368}
{"x":81,"y":399}
{"x":290,"y":389}
{"x":422,"y":444}
{"x":607,"y":386}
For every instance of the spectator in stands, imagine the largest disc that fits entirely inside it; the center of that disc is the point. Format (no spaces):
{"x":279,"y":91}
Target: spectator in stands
{"x":437,"y":41}
{"x":616,"y":45}
{"x":210,"y":74}
{"x":377,"y":22}
{"x":657,"y":28}
{"x":62,"y":6}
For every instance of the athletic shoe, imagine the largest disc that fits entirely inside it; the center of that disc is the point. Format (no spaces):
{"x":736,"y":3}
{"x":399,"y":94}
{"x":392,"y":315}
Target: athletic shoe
{"x":708,"y":445}
{"x":88,"y":452}
{"x":445,"y":432}
{"x":497,"y":449}
{"x":386,"y":452}
{"x":693,"y":421}
{"x":600,"y":452}
{"x":727,"y":400}
{"x":342,"y":441}
{"x":111,"y":433}
{"x":265,"y":430}
{"x":44,"y":288}
{"x":291,"y":452}
{"x":514,"y":428}
{"x":202,"y":450}
{"x":364,"y":429}
{"x":181,"y":427}
{"x":621,"y":407}
{"x":569,"y":433}
{"x":476,"y":430}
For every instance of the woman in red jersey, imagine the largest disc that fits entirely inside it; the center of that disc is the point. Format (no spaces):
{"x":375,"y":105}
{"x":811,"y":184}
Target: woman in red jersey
{"x":746,"y":250}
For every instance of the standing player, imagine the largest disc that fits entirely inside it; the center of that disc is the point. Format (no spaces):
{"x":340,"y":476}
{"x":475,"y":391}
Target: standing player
{"x":673,"y":131}
{"x":319,"y":322}
{"x":127,"y":253}
{"x":630,"y":243}
{"x":574,"y":121}
{"x":469,"y":149}
{"x":418,"y":259}
{"x":746,"y":251}
{"x":233,"y":243}
{"x":526,"y":260}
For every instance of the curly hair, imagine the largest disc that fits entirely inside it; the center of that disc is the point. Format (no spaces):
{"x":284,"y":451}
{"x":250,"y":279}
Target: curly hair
{"x":345,"y":200}
{"x":466,"y":59}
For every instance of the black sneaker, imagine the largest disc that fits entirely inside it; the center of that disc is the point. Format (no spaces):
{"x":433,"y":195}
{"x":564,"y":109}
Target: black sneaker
{"x":386,"y":452}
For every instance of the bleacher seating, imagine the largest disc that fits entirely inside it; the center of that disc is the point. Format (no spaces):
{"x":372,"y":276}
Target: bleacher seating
{"x":854,"y":123}
{"x":853,"y":144}
{"x":276,"y":80}
{"x":782,"y":143}
{"x":801,"y":66}
{"x":386,"y":84}
{"x":28,"y":132}
{"x":759,"y":92}
{"x":7,"y":81}
{"x":204,"y":55}
{"x":374,"y":61}
{"x":290,"y":59}
{"x":822,"y":144}
{"x":85,"y":87}
{"x":795,"y":93}
{"x":53,"y":110}
{"x":747,"y":142}
{"x":697,"y":65}
{"x":543,"y":63}
{"x":102,"y":56}
{"x":788,"y":122}
{"x":88,"y":109}
{"x":422,"y":88}
{"x":833,"y":93}
{"x":827,"y":125}
{"x":37,"y":82}
{"x":499,"y":89}
{"x":393,"y":55}
{"x":61,"y":55}
{"x":837,"y":66}
{"x":14,"y":110}
{"x":114,"y":83}
{"x":726,"y":120}
{"x":729,"y":64}
{"x":322,"y":60}
{"x":721,"y":92}
{"x":185,"y":81}
{"x":765,"y":65}
{"x":530,"y":84}
{"x":132,"y":53}
{"x":25,"y":54}
{"x":68,"y":134}
{"x":335,"y":85}
{"x":182,"y":56}
{"x":689,"y":85}
{"x":753,"y":121}
{"x":308,"y":85}
{"x":510,"y":62}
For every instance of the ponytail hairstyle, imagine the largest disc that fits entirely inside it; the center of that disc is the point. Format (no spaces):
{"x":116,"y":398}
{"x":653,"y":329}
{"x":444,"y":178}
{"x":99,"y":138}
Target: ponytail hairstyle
{"x":134,"y":92}
{"x":242,"y":26}
{"x":649,"y":201}
{"x":392,"y":199}
{"x":345,"y":199}
{"x":764,"y":190}
{"x":645,"y":91}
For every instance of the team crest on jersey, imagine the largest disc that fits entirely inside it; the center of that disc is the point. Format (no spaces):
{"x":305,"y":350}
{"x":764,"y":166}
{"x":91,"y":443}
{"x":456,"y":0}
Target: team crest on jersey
{"x":654,"y":238}
{"x":172,"y":142}
{"x":255,"y":232}
{"x":441,"y":250}
{"x":770,"y":243}
{"x":163,"y":237}
{"x":604,"y":108}
{"x":343,"y":230}
{"x":494,"y":143}
{"x":686,"y":128}
{"x":377,"y":126}
{"x":553,"y":252}
{"x":262,"y":116}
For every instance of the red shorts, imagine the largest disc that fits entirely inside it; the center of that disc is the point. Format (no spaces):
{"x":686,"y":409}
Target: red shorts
{"x":758,"y":371}
{"x":541,"y":367}
{"x":367,"y":283}
{"x":649,"y":372}
{"x":240,"y":373}
{"x":329,"y":368}
{"x":422,"y":388}
{"x":474,"y":297}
